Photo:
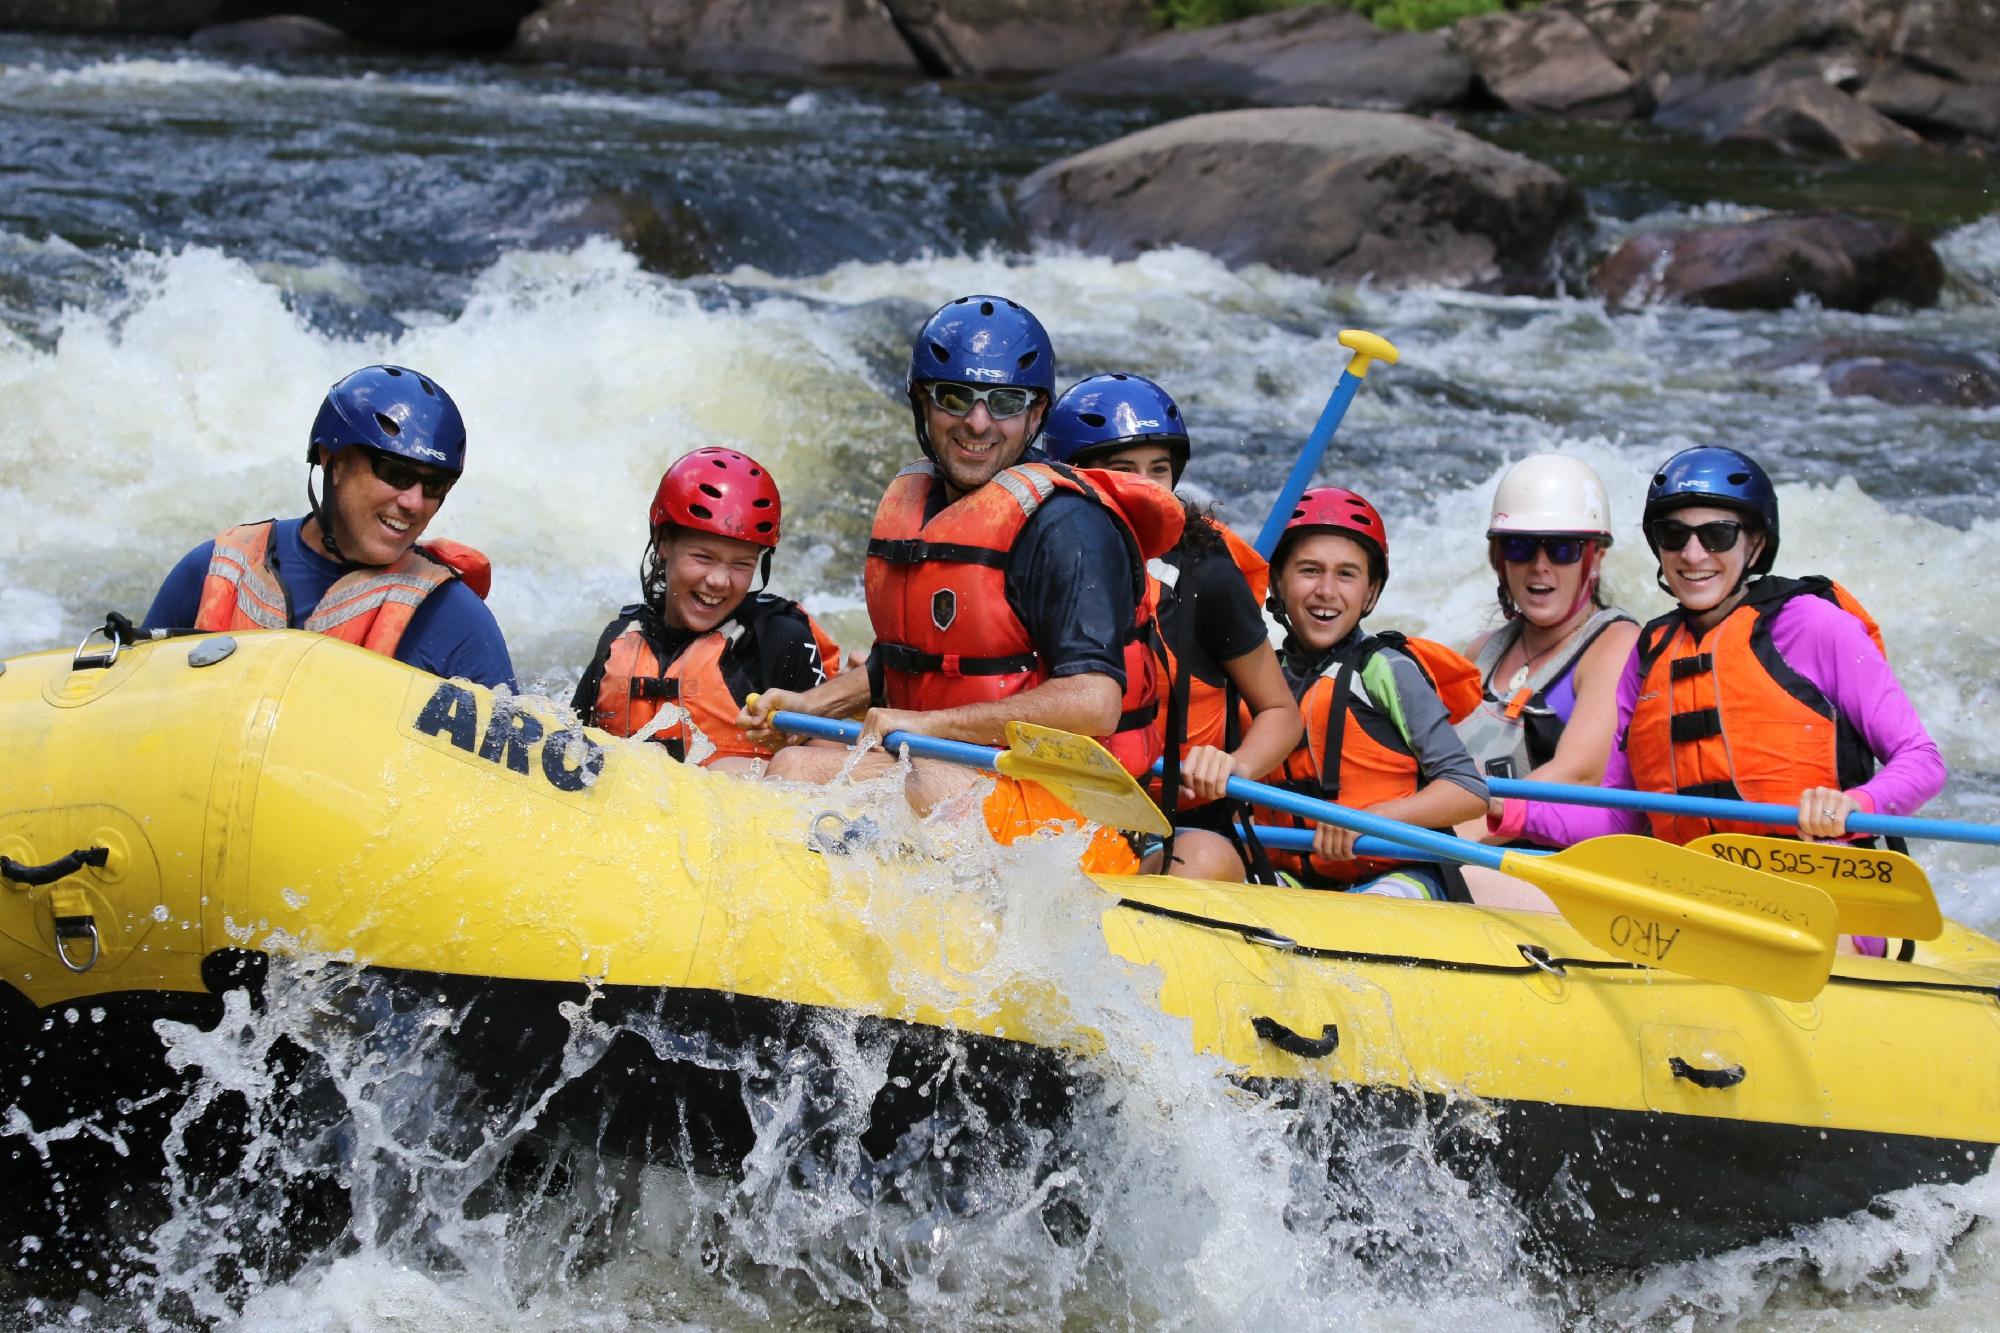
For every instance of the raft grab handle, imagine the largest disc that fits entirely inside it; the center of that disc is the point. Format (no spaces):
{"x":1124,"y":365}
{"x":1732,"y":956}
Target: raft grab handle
{"x":1297,"y":1043}
{"x":1726,"y":1077}
{"x":36,"y":876}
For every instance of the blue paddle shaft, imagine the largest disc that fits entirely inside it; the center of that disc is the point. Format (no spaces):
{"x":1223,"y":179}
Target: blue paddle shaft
{"x":1308,"y":461}
{"x":1434,"y":846}
{"x":1743,"y":812}
{"x":1301,"y":840}
{"x":925,"y":747}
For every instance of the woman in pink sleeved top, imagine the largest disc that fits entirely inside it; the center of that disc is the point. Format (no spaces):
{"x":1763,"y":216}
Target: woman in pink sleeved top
{"x":1754,"y":688}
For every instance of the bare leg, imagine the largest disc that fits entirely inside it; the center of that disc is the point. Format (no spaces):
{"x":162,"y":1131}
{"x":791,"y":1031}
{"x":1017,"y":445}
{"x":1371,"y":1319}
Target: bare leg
{"x":1200,"y":854}
{"x":1490,"y":888}
{"x":929,"y":785}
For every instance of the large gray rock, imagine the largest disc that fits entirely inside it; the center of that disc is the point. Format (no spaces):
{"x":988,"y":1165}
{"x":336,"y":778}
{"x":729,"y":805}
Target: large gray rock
{"x":1321,"y":55}
{"x":281,"y":34}
{"x":1547,"y":62}
{"x":172,"y":17}
{"x":1341,"y":195}
{"x":1935,"y":106}
{"x":800,"y":37}
{"x":1801,"y":113}
{"x":1735,"y":36}
{"x":1650,"y":39}
{"x":1840,"y":260}
{"x":1013,"y":38}
{"x":1958,"y":37}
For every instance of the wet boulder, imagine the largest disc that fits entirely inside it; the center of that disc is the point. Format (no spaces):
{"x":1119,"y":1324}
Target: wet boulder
{"x":1342,"y":195}
{"x":1935,"y":107}
{"x":1321,"y":55}
{"x":281,"y":34}
{"x":1736,"y":36}
{"x":1840,"y":260}
{"x":1789,"y":109}
{"x":1958,"y":38}
{"x":665,"y":235}
{"x":1548,"y":62}
{"x":1901,"y":373}
{"x":805,"y":37}
{"x":1016,"y":38}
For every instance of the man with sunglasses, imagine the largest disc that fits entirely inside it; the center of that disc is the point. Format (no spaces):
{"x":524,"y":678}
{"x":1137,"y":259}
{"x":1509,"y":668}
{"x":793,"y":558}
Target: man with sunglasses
{"x":1001,"y":587}
{"x":391,"y":444}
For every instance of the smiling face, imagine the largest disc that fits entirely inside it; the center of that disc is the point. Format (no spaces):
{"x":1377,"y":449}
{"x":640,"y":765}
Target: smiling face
{"x":1546,"y":593}
{"x":373,"y":522}
{"x":1326,"y":587}
{"x":973,"y":449}
{"x":707,"y":577}
{"x":1153,"y":462}
{"x":1702,"y":580}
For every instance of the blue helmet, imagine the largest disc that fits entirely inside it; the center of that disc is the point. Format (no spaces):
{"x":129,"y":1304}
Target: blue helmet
{"x":393,"y":409}
{"x":1106,"y":413}
{"x":1712,"y":475}
{"x":983,"y":340}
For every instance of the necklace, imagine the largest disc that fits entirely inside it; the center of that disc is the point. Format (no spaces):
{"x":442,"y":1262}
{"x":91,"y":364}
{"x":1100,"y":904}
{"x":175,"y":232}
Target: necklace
{"x":1529,"y":659}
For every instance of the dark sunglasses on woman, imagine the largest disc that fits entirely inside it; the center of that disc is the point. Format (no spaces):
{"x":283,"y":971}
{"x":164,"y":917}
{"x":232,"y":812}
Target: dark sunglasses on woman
{"x":400,"y":475}
{"x":1717,"y":535}
{"x":1521,"y":550}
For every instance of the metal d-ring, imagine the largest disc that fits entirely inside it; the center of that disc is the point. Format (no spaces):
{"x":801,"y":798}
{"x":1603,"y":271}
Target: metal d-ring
{"x":89,"y":928}
{"x":97,"y":661}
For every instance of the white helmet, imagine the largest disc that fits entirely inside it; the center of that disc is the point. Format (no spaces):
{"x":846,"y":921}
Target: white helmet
{"x":1551,"y":494}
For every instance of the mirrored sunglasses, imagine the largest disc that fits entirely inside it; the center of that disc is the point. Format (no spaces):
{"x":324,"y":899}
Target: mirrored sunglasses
{"x":1717,"y":535}
{"x":400,"y":474}
{"x":1002,"y":401}
{"x":1521,"y":550}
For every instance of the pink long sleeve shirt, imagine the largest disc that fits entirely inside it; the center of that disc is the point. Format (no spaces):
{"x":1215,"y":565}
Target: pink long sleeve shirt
{"x":1831,"y":649}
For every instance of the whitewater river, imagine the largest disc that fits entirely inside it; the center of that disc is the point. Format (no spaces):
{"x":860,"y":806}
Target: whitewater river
{"x":192,"y":249}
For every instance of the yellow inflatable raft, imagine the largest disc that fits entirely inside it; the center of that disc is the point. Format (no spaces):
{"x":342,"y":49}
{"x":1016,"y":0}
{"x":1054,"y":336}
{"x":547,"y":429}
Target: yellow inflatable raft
{"x":281,"y":792}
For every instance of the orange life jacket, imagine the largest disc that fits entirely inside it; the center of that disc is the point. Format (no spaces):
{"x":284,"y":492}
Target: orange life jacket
{"x":944,"y":632}
{"x":1196,"y":712}
{"x":1727,"y":717}
{"x":1358,"y":757}
{"x":370,"y":606}
{"x":706,"y":677}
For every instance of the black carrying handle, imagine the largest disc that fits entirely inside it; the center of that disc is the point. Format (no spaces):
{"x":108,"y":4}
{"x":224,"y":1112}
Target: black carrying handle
{"x":1297,"y":1043}
{"x":54,"y":870}
{"x":1726,"y":1077}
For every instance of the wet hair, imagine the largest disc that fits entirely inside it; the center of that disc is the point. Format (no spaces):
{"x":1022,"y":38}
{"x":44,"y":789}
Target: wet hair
{"x":652,"y":573}
{"x":1199,"y":539}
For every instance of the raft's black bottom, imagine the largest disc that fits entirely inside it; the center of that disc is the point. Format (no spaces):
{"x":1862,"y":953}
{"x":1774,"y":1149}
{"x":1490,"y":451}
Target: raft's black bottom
{"x":699,"y":1078}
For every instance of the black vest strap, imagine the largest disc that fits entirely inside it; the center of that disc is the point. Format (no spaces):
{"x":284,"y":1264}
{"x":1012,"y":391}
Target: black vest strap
{"x":1696,"y":726}
{"x":1698,"y":665}
{"x":902,"y":657}
{"x":915,"y":551}
{"x":1724,"y":790}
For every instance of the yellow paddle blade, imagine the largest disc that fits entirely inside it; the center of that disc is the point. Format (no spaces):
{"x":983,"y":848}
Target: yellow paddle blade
{"x":1876,"y":892}
{"x":1081,"y":774}
{"x":1668,"y":907}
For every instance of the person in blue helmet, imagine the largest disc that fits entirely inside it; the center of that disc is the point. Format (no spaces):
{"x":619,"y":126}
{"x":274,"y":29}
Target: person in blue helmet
{"x":390,"y":444}
{"x":1228,"y":711}
{"x":1001,"y":586}
{"x":1754,"y":687}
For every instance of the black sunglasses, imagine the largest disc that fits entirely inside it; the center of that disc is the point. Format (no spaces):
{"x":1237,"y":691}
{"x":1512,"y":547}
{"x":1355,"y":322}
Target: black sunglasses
{"x":400,"y":475}
{"x":1717,"y":535}
{"x":1521,"y":550}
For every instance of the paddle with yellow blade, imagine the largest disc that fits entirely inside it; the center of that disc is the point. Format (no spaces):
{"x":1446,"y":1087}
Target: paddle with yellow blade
{"x":1639,"y":898}
{"x":1876,"y":892}
{"x":1635,"y":898}
{"x":1077,"y":770}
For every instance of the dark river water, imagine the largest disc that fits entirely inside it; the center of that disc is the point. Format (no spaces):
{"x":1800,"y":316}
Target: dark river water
{"x":609,"y":268}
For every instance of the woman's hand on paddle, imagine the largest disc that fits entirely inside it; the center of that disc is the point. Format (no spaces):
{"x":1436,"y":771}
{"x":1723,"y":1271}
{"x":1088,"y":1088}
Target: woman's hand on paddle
{"x":1823,"y":813}
{"x":1205,"y":774}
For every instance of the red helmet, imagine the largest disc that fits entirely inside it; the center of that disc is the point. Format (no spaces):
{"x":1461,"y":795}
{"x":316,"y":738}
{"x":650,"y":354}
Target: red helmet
{"x":1338,"y":510}
{"x":722,"y":492}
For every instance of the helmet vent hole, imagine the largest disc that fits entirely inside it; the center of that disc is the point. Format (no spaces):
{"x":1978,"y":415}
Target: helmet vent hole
{"x":985,"y":307}
{"x":943,"y":356}
{"x":1659,"y":478}
{"x":1091,"y":418}
{"x":427,"y":386}
{"x":392,"y":370}
{"x":1173,"y":413}
{"x":1028,"y":359}
{"x":764,"y":526}
{"x":756,"y":471}
{"x":700,"y":511}
{"x":1738,"y":478}
{"x":710,"y":491}
{"x":761,"y":502}
{"x":388,"y":424}
{"x":1116,"y":376}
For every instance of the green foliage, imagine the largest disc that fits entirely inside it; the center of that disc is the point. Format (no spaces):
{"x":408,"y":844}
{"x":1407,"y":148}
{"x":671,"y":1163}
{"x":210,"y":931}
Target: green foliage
{"x":1408,"y":15}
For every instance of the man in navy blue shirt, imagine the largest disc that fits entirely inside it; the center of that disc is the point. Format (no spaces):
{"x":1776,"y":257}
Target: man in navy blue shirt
{"x":390,"y":443}
{"x":997,"y":592}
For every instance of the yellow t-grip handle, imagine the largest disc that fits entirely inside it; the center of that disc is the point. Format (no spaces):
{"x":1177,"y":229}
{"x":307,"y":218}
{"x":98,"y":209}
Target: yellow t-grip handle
{"x":1368,"y":348}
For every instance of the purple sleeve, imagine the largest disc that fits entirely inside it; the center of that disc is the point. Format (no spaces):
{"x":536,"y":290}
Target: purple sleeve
{"x":1555,"y":825}
{"x":1831,"y":649}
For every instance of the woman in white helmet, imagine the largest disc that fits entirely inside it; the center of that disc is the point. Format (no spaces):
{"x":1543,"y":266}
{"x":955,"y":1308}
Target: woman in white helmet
{"x":1551,"y":669}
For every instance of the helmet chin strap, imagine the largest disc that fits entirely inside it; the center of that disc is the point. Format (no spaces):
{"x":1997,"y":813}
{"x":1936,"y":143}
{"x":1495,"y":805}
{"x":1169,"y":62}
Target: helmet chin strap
{"x":322,"y":514}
